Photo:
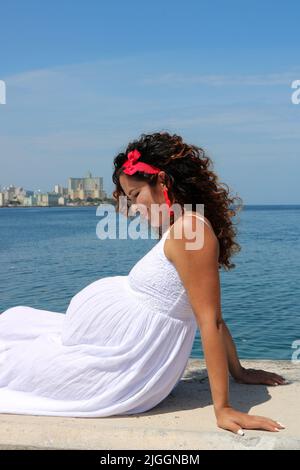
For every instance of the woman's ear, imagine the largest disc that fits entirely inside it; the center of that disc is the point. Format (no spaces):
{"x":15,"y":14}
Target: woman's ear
{"x":162,"y":178}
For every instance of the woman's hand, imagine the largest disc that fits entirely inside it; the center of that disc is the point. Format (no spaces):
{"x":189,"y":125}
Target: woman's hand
{"x":235,"y":421}
{"x":258,"y":376}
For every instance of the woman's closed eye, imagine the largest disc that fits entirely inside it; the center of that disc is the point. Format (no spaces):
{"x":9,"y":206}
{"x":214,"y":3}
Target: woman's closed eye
{"x":130,"y":199}
{"x":135,"y":195}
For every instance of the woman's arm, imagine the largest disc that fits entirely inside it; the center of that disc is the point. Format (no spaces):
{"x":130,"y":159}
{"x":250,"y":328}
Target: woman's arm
{"x":243,"y":375}
{"x":234,"y":365}
{"x":198,"y":270}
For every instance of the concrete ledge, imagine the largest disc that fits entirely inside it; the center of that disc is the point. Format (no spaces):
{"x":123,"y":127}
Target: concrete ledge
{"x":184,"y":420}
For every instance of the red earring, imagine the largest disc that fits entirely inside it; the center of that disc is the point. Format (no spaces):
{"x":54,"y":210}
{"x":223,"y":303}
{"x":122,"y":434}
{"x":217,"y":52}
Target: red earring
{"x":168,"y":200}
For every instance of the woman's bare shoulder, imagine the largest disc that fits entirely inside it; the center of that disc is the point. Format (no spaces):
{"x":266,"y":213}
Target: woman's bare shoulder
{"x":190,"y":232}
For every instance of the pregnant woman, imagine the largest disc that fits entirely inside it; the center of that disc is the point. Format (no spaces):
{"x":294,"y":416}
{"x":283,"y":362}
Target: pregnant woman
{"x":124,"y":341}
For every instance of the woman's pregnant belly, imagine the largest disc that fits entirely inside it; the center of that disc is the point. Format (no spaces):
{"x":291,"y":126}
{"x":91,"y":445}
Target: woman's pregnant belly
{"x":104,"y":313}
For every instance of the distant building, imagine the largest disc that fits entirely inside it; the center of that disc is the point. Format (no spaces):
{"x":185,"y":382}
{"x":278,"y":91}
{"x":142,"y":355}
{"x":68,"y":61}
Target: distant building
{"x":47,"y":199}
{"x":30,"y":200}
{"x":2,"y":202}
{"x":13,"y":194}
{"x":88,"y":186}
{"x":20,"y":194}
{"x":59,"y":189}
{"x":9,"y":193}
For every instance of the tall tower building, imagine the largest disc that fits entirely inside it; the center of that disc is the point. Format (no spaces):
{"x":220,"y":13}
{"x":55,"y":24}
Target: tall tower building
{"x":89,"y":186}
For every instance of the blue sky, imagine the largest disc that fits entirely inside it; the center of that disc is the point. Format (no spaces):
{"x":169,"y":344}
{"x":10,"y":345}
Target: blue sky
{"x":85,"y":78}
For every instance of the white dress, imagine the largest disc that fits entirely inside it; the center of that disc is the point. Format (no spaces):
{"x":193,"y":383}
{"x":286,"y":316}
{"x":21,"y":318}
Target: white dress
{"x":120,"y":348}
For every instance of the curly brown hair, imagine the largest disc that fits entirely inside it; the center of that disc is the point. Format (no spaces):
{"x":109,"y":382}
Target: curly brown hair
{"x":190,"y":180}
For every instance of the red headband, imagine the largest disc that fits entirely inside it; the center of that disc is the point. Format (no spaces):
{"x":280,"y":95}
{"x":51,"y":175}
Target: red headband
{"x":132,"y":165}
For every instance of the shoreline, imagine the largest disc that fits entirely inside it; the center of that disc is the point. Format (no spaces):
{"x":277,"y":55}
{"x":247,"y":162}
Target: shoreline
{"x":50,"y":207}
{"x":246,"y":206}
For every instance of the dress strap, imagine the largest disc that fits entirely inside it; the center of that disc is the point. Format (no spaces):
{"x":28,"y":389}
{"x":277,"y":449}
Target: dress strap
{"x":200,"y":216}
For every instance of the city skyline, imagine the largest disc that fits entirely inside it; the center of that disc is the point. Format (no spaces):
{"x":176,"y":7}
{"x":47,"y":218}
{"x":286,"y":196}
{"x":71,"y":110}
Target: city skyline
{"x":44,"y":190}
{"x":86,"y":188}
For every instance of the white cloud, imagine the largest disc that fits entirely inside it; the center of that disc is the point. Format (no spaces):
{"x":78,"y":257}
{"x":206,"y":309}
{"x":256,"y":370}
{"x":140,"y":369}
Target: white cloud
{"x":170,"y":79}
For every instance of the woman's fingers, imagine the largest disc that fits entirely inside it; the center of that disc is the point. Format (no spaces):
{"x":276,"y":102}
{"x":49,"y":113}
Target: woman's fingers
{"x":236,"y":428}
{"x":260,"y":422}
{"x":236,"y":421}
{"x":276,"y":377}
{"x":271,"y":382}
{"x":279,"y":379}
{"x":270,"y":378}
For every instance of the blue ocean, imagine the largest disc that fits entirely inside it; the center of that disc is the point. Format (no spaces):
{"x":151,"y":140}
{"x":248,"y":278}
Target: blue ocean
{"x":48,"y":254}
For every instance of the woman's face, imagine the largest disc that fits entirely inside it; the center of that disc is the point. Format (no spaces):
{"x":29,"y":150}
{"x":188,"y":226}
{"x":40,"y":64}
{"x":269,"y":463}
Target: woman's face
{"x":144,"y":196}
